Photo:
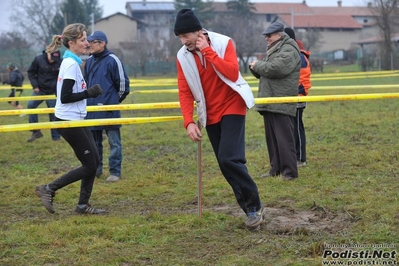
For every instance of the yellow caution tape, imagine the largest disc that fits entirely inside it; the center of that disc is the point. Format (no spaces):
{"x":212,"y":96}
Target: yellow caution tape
{"x":172,"y":105}
{"x":351,"y":87}
{"x":255,"y":89}
{"x":96,"y":108}
{"x":87,"y":123}
{"x":315,"y":76}
{"x":353,"y":77}
{"x":325,"y":98}
{"x":27,"y":98}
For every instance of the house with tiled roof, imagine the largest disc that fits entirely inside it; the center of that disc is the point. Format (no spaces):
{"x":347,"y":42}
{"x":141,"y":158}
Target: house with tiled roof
{"x":119,"y":28}
{"x":337,"y":31}
{"x":156,"y":16}
{"x":340,"y":27}
{"x":361,"y":14}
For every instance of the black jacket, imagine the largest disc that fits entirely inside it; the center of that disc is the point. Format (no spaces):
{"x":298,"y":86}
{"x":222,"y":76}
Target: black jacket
{"x":44,"y":75}
{"x":16,"y":78}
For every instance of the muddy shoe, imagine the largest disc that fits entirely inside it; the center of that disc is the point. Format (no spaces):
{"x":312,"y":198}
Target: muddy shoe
{"x":99,"y":174}
{"x":301,"y":164}
{"x":267,"y":175}
{"x":35,"y":135}
{"x":255,"y":219}
{"x":288,"y":178}
{"x":112,"y":178}
{"x":46,"y":196}
{"x":89,"y":210}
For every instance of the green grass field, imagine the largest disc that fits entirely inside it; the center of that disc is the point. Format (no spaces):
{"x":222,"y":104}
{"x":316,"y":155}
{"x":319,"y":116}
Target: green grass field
{"x":347,"y":195}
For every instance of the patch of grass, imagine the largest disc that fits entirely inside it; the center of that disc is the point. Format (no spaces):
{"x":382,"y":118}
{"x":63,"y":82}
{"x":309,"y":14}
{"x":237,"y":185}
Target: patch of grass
{"x":337,"y":68}
{"x":348,"y":193}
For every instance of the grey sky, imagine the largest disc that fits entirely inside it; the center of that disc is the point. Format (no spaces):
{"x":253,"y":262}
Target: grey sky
{"x":113,"y":6}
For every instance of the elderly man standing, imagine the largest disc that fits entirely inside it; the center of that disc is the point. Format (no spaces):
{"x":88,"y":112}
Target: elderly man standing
{"x":279,"y":75}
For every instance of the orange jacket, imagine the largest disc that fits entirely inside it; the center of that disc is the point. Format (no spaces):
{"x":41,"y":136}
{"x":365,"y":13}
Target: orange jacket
{"x":304,"y":83}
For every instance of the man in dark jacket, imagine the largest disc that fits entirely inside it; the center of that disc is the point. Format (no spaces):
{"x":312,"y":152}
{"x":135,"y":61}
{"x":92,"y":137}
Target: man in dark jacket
{"x":104,"y":67}
{"x":303,"y":88}
{"x":15,"y":80}
{"x":279,"y":75}
{"x":43,"y":75}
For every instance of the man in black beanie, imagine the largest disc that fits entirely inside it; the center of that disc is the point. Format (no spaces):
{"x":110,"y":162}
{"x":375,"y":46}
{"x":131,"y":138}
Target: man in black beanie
{"x":208,"y":72}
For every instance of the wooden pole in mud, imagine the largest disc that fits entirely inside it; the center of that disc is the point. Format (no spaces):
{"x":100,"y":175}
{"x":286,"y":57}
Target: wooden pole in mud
{"x":199,"y":174}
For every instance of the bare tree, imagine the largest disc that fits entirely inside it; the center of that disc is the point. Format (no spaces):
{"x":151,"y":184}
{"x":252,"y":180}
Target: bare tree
{"x":386,"y":14}
{"x":203,"y":9}
{"x":247,"y":36}
{"x":142,"y":52}
{"x":15,"y":48}
{"x":244,"y":30}
{"x":33,"y":19}
{"x":173,"y":46}
{"x":312,"y":39}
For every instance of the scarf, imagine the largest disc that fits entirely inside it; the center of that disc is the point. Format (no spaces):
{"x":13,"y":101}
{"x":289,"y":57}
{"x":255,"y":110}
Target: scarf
{"x":272,"y":47}
{"x":69,"y":54}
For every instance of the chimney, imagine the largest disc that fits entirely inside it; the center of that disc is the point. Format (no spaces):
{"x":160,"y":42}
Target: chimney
{"x":339,"y":3}
{"x":304,"y":2}
{"x":369,"y":4}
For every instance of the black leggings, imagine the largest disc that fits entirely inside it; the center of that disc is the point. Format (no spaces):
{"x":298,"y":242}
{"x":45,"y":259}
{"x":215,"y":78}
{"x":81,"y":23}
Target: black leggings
{"x":12,"y":94}
{"x":82,"y":143}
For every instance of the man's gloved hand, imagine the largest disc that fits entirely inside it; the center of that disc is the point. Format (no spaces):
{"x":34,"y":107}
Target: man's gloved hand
{"x":94,"y":91}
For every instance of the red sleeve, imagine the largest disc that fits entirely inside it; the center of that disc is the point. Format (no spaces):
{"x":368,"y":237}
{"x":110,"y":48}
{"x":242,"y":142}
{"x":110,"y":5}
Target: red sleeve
{"x":185,"y":97}
{"x":227,"y":66}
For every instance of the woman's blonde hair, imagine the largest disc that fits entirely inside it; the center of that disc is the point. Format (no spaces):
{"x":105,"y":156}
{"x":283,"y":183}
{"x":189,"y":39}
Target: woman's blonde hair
{"x":72,"y":32}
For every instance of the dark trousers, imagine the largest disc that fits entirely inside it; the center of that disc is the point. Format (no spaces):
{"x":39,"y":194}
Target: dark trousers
{"x":34,"y":118}
{"x":82,"y":143}
{"x":300,"y":136}
{"x":280,"y":140}
{"x":12,"y":94}
{"x":228,"y":142}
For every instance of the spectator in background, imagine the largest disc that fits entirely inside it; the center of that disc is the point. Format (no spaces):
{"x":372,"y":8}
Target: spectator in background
{"x":104,"y":67}
{"x":208,"y":72}
{"x":303,"y":87}
{"x":72,"y":93}
{"x":43,"y":74}
{"x":15,"y":80}
{"x":279,"y":74}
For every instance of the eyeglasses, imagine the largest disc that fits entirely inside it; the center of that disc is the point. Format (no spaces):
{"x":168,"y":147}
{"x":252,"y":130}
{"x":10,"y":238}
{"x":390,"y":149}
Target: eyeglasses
{"x":92,"y":42}
{"x":268,"y":35}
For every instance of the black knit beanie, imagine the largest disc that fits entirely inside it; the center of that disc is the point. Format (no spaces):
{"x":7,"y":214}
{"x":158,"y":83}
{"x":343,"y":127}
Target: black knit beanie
{"x":186,"y":21}
{"x":290,"y":32}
